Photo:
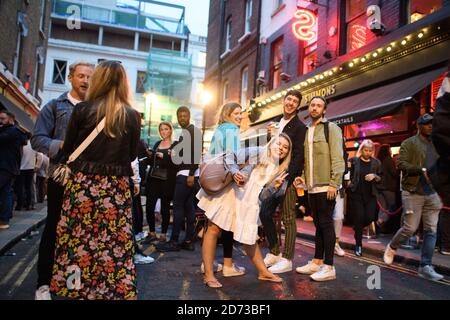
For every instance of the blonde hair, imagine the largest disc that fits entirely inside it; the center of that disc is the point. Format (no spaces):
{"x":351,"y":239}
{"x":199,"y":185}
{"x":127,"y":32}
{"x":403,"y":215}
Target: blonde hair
{"x":365,"y":144}
{"x":267,"y":156}
{"x":226,"y":110}
{"x":110,"y":90}
{"x":74,"y":66}
{"x":168,"y":124}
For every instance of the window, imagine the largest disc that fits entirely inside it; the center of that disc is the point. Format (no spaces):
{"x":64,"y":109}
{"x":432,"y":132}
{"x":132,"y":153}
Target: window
{"x":225,"y":91}
{"x":308,"y":53}
{"x":228,"y":36}
{"x":244,"y":87}
{"x":419,"y":8}
{"x":201,"y":59}
{"x":248,"y":15}
{"x":276,"y":67}
{"x":356,"y":19}
{"x":59,"y":71}
{"x":140,"y":81}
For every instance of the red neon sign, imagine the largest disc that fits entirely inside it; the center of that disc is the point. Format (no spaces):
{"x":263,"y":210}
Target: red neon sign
{"x":358,"y":36}
{"x":306,"y":26}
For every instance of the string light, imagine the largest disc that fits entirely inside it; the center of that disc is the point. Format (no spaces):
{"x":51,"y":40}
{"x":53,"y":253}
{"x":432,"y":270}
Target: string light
{"x":375,"y":54}
{"x":388,"y":49}
{"x":403,"y":42}
{"x":420,"y":35}
{"x":363,"y":59}
{"x":351,"y":64}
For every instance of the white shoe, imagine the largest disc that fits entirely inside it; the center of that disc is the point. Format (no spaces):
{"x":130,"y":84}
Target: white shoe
{"x":141,"y":259}
{"x":140,"y":236}
{"x":325,"y":273}
{"x":310,"y":268}
{"x":389,"y":254}
{"x":233,"y":271}
{"x":217,"y":267}
{"x":284,"y":265}
{"x":43,"y":293}
{"x":338,"y":250}
{"x":271,"y":259}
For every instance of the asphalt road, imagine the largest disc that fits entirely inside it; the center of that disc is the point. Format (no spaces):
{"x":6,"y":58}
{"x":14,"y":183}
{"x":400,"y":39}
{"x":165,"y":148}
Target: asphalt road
{"x":177,"y":276}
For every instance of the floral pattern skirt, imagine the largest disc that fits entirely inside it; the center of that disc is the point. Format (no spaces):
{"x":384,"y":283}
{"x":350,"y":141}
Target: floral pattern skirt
{"x":94,"y":240}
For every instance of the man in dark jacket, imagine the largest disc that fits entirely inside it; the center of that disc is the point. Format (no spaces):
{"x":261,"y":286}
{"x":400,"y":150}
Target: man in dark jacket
{"x":290,"y":124}
{"x":12,"y":139}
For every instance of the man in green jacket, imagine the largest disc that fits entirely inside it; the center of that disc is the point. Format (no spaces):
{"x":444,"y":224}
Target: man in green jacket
{"x":420,"y":200}
{"x":324,"y":168}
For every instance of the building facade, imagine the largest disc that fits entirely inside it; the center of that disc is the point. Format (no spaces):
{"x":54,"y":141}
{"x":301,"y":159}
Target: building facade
{"x":379,"y":63}
{"x":231,"y":62}
{"x":24,"y":36}
{"x":154,"y":49}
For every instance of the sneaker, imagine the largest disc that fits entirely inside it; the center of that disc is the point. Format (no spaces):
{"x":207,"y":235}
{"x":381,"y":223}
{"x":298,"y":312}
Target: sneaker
{"x":338,"y":250}
{"x":140,"y":236}
{"x":445,"y":252}
{"x":389,"y":254}
{"x":141,"y":259}
{"x":217,"y":267}
{"x":150,"y":239}
{"x":310,"y":268}
{"x":429,"y":273}
{"x":284,"y":265}
{"x":325,"y":273}
{"x":43,"y":293}
{"x":271,"y":259}
{"x":187,"y":245}
{"x":4,"y":225}
{"x":233,"y":271}
{"x":168,"y":246}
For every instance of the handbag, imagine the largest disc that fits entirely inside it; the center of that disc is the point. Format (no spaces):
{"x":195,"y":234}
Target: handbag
{"x":156,"y":171}
{"x":62,"y":172}
{"x":214,"y":174}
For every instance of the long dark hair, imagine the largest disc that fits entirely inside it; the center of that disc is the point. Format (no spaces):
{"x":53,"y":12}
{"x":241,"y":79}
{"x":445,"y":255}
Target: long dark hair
{"x":384,"y":152}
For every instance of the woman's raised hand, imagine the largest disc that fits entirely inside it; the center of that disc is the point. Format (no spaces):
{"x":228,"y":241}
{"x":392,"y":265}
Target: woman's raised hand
{"x":280,"y":179}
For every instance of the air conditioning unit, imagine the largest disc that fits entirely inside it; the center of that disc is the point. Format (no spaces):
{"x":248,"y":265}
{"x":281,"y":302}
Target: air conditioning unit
{"x":261,"y":80}
{"x":285,"y":77}
{"x":263,"y":40}
{"x":262,"y":74}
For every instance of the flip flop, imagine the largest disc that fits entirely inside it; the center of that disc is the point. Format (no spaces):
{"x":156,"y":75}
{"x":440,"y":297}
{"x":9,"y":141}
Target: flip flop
{"x":270,"y":279}
{"x":212,"y":284}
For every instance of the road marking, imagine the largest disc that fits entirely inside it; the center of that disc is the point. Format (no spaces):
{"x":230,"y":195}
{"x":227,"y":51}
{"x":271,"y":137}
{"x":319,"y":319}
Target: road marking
{"x":25,"y":274}
{"x":398,"y":268}
{"x":18,"y":265}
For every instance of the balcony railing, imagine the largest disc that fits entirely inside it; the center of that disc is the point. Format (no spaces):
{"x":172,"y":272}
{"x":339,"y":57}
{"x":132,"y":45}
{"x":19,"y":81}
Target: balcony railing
{"x":119,"y":17}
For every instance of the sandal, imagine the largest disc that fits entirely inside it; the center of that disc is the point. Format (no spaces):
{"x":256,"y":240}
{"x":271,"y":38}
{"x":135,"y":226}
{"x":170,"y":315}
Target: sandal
{"x":212,"y":283}
{"x":272,"y":278}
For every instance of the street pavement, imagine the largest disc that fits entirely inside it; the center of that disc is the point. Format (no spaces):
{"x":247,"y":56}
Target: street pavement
{"x":177,"y":276}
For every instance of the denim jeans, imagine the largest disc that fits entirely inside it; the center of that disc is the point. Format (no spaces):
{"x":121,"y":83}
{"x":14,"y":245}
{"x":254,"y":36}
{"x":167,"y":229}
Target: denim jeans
{"x":6,"y":196}
{"x":418,"y":207}
{"x":184,"y":207}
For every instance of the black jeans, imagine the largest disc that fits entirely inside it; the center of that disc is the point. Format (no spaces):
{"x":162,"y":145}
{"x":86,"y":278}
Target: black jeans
{"x":6,"y":196}
{"x":55,"y":194}
{"x":443,"y":230}
{"x":183,"y":207}
{"x":156,"y":190}
{"x":363,"y":210}
{"x":24,"y":194}
{"x":325,"y":239}
{"x":40,"y":189}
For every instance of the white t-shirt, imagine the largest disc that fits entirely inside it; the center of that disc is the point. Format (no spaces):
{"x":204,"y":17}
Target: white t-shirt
{"x":28,"y":161}
{"x":283,"y":123}
{"x":72,"y":99}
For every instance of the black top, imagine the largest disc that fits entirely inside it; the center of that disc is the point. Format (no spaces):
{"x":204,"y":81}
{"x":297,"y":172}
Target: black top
{"x":187,"y":151}
{"x":105,"y":155}
{"x":296,"y":130}
{"x":12,"y":139}
{"x":364,"y":186}
{"x":390,"y":175}
{"x":166,"y":161}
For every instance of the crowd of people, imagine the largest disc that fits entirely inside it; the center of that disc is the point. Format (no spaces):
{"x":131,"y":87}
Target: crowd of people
{"x":95,"y":219}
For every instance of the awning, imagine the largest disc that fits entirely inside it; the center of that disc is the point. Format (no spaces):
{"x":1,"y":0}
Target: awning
{"x":21,"y":116}
{"x":378,"y":102}
{"x":254,"y":132}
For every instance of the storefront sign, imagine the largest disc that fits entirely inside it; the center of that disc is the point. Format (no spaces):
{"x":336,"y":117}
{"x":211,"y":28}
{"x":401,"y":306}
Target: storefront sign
{"x":305,"y":28}
{"x":343,"y":121}
{"x":324,"y":92}
{"x":358,"y":36}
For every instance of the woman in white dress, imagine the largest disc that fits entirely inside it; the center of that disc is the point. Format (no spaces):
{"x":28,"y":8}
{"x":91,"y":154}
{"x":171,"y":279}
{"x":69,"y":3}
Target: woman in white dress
{"x":236,"y":208}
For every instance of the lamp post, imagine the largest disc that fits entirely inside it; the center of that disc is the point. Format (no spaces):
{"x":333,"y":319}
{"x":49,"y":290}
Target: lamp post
{"x":149,"y":100}
{"x":206,"y":99}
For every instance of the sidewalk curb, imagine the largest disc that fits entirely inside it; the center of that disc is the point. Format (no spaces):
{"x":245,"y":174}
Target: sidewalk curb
{"x":23,"y":234}
{"x":379,"y":253}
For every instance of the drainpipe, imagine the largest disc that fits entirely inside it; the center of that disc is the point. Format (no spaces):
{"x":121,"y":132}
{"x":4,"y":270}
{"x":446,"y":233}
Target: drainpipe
{"x":258,"y":48}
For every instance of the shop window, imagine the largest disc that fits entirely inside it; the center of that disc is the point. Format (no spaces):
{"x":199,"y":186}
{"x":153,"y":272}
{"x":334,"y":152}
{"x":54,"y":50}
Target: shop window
{"x":244,"y":87}
{"x":59,"y":71}
{"x":356,"y":20}
{"x":421,"y":8}
{"x":276,"y":63}
{"x":140,"y":81}
{"x":435,"y":86}
{"x":308,"y":53}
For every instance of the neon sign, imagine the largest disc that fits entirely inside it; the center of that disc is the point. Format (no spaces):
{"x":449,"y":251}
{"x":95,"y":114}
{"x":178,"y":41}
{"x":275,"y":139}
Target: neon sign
{"x":358,"y":36}
{"x":306,"y":27}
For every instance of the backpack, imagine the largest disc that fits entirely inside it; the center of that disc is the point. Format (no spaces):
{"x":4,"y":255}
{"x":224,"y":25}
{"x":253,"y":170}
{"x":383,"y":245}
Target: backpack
{"x":344,"y":151}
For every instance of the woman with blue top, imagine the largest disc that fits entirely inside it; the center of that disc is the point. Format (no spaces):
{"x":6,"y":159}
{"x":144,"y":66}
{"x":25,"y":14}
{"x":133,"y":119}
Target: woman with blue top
{"x":226,"y":138}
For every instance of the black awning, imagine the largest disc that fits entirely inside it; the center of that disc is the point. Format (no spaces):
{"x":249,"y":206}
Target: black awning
{"x":378,"y":102}
{"x":21,"y":116}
